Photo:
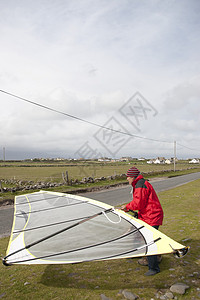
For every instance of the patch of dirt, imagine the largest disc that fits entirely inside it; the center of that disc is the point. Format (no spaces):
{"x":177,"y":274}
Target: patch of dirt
{"x":6,"y":202}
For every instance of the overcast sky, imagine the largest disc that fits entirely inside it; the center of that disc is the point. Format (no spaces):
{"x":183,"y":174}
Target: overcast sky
{"x":129,"y":65}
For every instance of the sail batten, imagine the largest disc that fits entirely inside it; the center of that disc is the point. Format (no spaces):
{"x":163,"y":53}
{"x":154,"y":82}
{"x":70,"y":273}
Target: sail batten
{"x":34,"y":201}
{"x":45,"y":209}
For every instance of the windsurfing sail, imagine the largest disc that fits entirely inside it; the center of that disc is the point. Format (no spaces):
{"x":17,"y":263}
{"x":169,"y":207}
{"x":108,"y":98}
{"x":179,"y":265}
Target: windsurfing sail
{"x":57,"y":228}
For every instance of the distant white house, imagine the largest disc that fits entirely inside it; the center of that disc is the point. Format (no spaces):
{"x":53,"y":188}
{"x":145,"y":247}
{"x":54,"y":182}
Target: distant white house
{"x":151,"y":161}
{"x":194,"y":161}
{"x":104,"y":159}
{"x":168,"y":161}
{"x":159,"y":160}
{"x":156,"y":161}
{"x":126,"y":158}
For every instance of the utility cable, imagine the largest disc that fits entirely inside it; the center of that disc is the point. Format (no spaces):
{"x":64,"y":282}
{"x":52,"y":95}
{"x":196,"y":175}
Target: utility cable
{"x":188,"y":147}
{"x":82,"y":120}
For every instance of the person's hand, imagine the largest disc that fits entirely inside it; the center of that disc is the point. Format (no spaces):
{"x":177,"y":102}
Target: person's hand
{"x":123,"y":207}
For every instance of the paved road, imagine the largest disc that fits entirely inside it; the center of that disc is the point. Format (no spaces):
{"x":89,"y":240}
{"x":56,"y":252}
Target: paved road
{"x":118,"y":196}
{"x":115,"y":196}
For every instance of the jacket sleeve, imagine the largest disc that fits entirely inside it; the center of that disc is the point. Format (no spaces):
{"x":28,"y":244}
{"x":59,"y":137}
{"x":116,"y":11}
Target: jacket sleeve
{"x":140,"y":197}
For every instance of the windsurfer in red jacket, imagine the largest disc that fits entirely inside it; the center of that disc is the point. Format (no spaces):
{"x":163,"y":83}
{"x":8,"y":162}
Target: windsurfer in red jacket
{"x":146,"y":202}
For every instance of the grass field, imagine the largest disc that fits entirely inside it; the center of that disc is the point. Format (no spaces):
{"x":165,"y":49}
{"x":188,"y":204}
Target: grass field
{"x":90,"y":280}
{"x":53,"y":171}
{"x":14,"y":174}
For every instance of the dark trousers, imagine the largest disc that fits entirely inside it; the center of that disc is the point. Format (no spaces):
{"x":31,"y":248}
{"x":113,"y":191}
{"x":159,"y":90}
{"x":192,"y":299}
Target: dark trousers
{"x":153,"y":259}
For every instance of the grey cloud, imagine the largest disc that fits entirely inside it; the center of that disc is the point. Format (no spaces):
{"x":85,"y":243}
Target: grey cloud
{"x":87,"y":58}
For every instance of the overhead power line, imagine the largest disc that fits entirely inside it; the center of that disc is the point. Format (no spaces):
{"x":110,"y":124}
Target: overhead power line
{"x":188,"y":147}
{"x":82,"y":120}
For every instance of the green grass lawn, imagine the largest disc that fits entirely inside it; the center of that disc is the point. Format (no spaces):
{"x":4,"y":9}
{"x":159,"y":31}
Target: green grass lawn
{"x":90,"y":280}
{"x":53,"y":172}
{"x":23,"y":173}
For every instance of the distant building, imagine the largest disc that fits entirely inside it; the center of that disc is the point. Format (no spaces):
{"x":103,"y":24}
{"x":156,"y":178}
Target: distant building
{"x":159,"y":160}
{"x":104,"y":159}
{"x":125,"y":159}
{"x":194,"y":161}
{"x":151,"y":161}
{"x":168,"y":161}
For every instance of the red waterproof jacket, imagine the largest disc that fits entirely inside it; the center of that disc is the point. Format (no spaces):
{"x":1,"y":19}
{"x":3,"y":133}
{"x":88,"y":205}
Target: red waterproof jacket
{"x":146,"y":202}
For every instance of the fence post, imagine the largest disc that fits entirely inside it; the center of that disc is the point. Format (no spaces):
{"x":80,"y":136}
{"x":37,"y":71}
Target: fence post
{"x":63,"y":177}
{"x":67,"y":177}
{"x":1,"y":187}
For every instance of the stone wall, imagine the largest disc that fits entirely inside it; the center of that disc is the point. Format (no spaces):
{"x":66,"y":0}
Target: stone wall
{"x":19,"y":185}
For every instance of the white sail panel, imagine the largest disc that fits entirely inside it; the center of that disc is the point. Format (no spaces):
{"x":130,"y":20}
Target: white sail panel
{"x":53,"y":228}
